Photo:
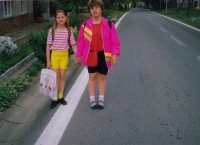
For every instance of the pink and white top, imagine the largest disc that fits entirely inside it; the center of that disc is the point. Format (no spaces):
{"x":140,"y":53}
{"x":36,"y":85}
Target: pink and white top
{"x":60,"y":41}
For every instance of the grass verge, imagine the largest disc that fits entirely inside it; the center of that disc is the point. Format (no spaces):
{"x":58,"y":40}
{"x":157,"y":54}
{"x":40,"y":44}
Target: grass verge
{"x":193,"y":19}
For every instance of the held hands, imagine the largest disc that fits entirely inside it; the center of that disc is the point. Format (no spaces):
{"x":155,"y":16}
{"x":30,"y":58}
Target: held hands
{"x":114,"y":59}
{"x":78,"y":60}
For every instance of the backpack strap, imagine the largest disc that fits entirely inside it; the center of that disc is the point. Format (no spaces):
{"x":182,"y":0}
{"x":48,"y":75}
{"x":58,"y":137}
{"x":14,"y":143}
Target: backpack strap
{"x":110,"y":24}
{"x":52,"y":34}
{"x":69,"y":35}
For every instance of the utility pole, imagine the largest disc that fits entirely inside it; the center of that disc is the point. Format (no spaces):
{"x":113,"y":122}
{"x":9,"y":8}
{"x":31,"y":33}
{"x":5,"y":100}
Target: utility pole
{"x":166,"y":1}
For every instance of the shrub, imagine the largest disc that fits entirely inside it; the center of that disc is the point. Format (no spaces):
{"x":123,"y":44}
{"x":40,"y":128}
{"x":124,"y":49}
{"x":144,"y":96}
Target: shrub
{"x":197,"y":8}
{"x":10,"y":88}
{"x":31,"y":71}
{"x":34,"y":68}
{"x":7,"y":61}
{"x":38,"y":44}
{"x":24,"y":50}
{"x":4,"y":101}
{"x":7,"y":46}
{"x":38,"y":65}
{"x":75,"y":20}
{"x":106,"y":13}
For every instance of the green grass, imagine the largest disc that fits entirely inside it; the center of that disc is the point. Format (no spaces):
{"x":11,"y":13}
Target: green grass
{"x":193,"y":19}
{"x":109,"y":14}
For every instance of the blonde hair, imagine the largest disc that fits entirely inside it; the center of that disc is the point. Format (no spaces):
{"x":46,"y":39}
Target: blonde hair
{"x":92,"y":3}
{"x":55,"y":23}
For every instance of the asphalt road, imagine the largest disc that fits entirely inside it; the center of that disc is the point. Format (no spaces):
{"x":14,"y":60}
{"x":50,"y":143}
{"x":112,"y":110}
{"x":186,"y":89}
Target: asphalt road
{"x":152,"y":95}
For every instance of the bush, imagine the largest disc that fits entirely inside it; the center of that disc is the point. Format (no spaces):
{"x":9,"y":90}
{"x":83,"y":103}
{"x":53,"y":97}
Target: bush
{"x":4,"y":101}
{"x":10,"y":88}
{"x":197,"y":8}
{"x":75,"y":20}
{"x":38,"y":65}
{"x":31,"y":71}
{"x":34,"y":68}
{"x":106,"y":13}
{"x":7,"y":61}
{"x":7,"y":46}
{"x":195,"y":15}
{"x":38,"y":44}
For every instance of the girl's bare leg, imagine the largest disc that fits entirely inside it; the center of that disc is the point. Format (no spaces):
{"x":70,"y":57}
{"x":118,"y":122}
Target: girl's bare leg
{"x":92,"y":87}
{"x":92,"y":83}
{"x":102,"y":83}
{"x":62,"y":73}
{"x":102,"y":88}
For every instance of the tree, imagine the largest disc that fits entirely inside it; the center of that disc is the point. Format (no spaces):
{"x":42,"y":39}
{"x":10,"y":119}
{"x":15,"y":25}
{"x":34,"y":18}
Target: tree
{"x":112,"y":4}
{"x":67,"y":5}
{"x":189,"y":9}
{"x":180,"y":8}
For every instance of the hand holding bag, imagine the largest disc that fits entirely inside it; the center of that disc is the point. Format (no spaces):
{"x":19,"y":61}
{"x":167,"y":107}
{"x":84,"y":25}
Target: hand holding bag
{"x":48,"y":83}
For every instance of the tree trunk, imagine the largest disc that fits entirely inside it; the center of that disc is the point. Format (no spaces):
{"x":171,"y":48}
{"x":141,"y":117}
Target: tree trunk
{"x":180,"y":8}
{"x":192,"y":5}
{"x":189,"y":7}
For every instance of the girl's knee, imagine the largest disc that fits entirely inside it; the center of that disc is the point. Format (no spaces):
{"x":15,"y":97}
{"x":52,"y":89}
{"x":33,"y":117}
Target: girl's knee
{"x":92,"y":77}
{"x":62,"y":78}
{"x":102,"y":77}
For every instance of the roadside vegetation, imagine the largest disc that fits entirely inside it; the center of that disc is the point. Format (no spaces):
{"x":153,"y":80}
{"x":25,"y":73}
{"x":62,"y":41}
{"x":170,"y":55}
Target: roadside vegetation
{"x":192,"y":19}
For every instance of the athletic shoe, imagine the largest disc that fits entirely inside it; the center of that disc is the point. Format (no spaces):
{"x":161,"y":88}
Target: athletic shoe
{"x":53,"y":104}
{"x":101,"y":104}
{"x":62,"y":101}
{"x":93,"y":104}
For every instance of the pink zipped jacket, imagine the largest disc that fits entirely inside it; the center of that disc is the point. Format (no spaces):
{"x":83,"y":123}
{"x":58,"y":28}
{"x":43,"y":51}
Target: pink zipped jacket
{"x":111,"y":41}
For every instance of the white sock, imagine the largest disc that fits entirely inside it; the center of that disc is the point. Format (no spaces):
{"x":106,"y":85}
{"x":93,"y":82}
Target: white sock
{"x":92,"y":98}
{"x":101,"y":97}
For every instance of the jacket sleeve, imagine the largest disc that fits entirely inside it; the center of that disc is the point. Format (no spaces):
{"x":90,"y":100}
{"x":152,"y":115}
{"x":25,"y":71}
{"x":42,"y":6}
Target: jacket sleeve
{"x":80,"y":42}
{"x":115,"y":41}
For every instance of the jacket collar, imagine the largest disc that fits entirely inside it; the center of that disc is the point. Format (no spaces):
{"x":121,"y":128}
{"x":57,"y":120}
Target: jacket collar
{"x":104,"y":21}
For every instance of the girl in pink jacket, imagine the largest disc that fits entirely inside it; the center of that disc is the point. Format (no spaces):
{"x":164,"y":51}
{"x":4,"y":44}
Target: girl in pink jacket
{"x":98,"y":48}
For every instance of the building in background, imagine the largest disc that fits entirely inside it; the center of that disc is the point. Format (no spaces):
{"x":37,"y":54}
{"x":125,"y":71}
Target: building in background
{"x":15,"y":15}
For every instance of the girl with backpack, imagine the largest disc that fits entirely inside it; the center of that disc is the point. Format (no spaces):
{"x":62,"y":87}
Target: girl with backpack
{"x":57,"y":51}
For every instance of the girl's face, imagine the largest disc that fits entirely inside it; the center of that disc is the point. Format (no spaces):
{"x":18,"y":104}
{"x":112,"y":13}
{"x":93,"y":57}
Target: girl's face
{"x":61,"y":19}
{"x":95,"y":11}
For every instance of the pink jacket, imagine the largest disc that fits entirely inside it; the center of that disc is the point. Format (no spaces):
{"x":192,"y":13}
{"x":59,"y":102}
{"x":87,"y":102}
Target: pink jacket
{"x":111,"y":42}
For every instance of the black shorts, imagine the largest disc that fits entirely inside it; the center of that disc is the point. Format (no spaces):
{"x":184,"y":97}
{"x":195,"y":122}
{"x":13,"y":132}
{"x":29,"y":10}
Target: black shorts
{"x":101,"y":66}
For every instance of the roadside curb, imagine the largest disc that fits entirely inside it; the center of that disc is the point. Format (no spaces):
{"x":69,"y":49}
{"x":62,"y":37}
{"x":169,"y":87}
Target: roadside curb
{"x":16,"y":67}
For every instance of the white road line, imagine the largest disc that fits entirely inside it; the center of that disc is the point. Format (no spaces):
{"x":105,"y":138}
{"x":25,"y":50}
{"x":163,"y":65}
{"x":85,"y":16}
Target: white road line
{"x":149,"y":18}
{"x":59,"y":122}
{"x":154,"y":23}
{"x":116,"y":24}
{"x":179,"y":42}
{"x":198,"y":57}
{"x":163,"y":29}
{"x":57,"y":125}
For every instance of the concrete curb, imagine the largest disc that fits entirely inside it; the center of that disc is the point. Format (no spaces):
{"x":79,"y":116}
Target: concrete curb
{"x":16,"y":67}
